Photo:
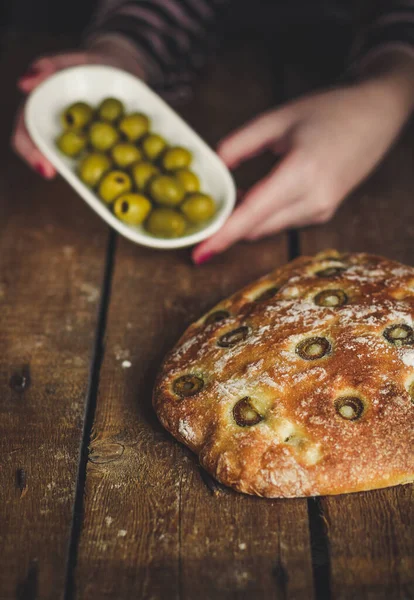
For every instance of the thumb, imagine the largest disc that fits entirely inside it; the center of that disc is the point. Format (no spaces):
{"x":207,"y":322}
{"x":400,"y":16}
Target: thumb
{"x":251,"y":211}
{"x":266,"y":130}
{"x":271,"y":194}
{"x":232,"y":231}
{"x":43,"y":68}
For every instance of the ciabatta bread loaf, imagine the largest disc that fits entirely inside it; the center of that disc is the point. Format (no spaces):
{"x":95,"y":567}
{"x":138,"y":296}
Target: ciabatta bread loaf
{"x":302,"y":383}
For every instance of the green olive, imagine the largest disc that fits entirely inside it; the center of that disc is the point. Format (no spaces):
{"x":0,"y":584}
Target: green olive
{"x":166,"y":190}
{"x":234,"y":337}
{"x":188,"y":180}
{"x":77,"y":116}
{"x":331,"y":298}
{"x":331,"y":272}
{"x":71,"y":142}
{"x":350,"y":408}
{"x":399,"y":335}
{"x":111,"y":110}
{"x":93,"y":167}
{"x":217,"y":317}
{"x":165,"y":222}
{"x":411,"y":391}
{"x":142,"y":173}
{"x":312,"y":348}
{"x":102,"y":136}
{"x":134,"y":126}
{"x":176,"y":158}
{"x":113,"y":185}
{"x":198,"y":208}
{"x":125,"y":154}
{"x":188,"y":385}
{"x":132,"y":208}
{"x":245,"y":414}
{"x":153,"y":145}
{"x":267,"y":294}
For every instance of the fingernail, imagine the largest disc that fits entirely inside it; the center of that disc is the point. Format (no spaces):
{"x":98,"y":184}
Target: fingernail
{"x":41,"y":170}
{"x":204,"y":258}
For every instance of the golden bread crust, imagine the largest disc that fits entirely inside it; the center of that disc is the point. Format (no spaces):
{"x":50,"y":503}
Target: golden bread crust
{"x":328,"y":378}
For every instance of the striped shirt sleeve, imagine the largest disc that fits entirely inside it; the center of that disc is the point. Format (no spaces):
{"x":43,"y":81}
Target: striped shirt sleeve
{"x":171,"y":39}
{"x":386,"y":25}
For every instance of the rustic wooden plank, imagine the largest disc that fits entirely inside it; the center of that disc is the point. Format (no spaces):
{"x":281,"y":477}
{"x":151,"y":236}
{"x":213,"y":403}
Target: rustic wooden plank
{"x":52,"y":255}
{"x":371,"y":535}
{"x":234,"y":546}
{"x":152,"y":528}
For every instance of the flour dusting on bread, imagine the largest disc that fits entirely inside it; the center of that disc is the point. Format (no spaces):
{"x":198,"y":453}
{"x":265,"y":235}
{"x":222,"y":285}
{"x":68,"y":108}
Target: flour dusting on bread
{"x":303,"y":382}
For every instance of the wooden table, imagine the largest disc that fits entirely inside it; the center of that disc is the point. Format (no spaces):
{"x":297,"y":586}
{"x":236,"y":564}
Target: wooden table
{"x":97,"y":500}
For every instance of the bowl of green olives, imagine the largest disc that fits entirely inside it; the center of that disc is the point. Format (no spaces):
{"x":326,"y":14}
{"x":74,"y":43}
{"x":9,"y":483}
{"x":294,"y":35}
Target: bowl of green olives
{"x":129,"y":155}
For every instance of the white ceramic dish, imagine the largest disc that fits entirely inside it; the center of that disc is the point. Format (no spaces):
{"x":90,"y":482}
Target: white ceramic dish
{"x":92,"y":84}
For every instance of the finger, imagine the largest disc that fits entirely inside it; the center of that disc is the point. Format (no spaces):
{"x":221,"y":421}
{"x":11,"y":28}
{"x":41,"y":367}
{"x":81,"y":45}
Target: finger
{"x":70,"y":59}
{"x":288,"y":217}
{"x":38,"y":72}
{"x":305,"y":211}
{"x":27,"y":150}
{"x":269,"y":195}
{"x":232,"y":231}
{"x":43,"y":68}
{"x":255,"y":136}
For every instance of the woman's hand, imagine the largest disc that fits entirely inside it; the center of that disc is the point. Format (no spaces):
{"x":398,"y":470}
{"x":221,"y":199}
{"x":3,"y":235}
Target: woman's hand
{"x":43,"y":68}
{"x":38,"y":71}
{"x":329,"y":143}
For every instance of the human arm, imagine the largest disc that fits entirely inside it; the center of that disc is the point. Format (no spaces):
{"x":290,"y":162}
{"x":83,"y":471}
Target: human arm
{"x":328,"y":142}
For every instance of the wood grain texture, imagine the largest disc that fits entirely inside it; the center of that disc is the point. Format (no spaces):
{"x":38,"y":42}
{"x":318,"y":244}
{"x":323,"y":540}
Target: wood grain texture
{"x":51,"y":263}
{"x":371,"y":535}
{"x":152,"y":528}
{"x":236,"y":546}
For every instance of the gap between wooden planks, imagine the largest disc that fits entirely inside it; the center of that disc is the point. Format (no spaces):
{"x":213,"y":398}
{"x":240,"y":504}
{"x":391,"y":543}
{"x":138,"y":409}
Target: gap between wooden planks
{"x":152,"y":529}
{"x":52,"y":258}
{"x":371,"y":535}
{"x":380,"y":567}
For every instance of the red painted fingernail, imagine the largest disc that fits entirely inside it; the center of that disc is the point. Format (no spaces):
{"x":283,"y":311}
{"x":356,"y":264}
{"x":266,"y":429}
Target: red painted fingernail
{"x":204,"y":258}
{"x":41,"y":170}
